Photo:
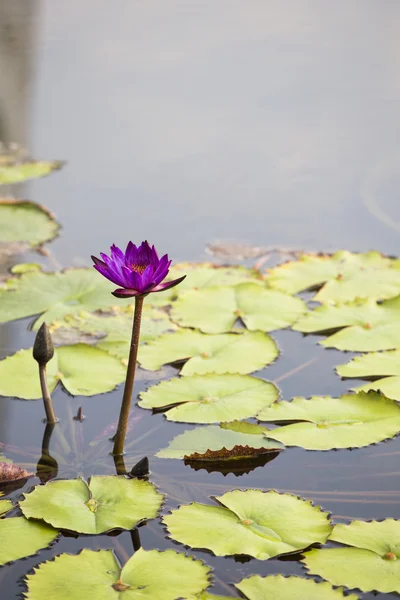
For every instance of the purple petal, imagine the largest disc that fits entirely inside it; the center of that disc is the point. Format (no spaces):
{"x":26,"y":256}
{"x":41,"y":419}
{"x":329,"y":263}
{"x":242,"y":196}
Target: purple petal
{"x":155,"y":254}
{"x":97,"y":261}
{"x":146,"y":256}
{"x":132,"y":278}
{"x":125,"y":293}
{"x":162,"y":270}
{"x":167,"y":284}
{"x":131,"y":254}
{"x":117,"y":255}
{"x":148,"y":277}
{"x":109,"y":274}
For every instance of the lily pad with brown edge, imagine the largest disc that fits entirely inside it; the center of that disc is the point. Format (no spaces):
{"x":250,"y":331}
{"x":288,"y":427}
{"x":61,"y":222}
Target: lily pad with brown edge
{"x":25,"y":223}
{"x":223,"y":353}
{"x":225,"y":442}
{"x":340,"y":277}
{"x":201,"y":276}
{"x":148,"y":574}
{"x":251,"y":522}
{"x":365,"y":325}
{"x":82,"y":369}
{"x":209,"y":398}
{"x":375,"y":365}
{"x":102,"y":504}
{"x":370,"y":562}
{"x":11,"y":472}
{"x":111,"y":330}
{"x":278,"y":587}
{"x":55,"y":295}
{"x":20,"y":538}
{"x":16,"y":170}
{"x":217,"y":309}
{"x":351,"y":421}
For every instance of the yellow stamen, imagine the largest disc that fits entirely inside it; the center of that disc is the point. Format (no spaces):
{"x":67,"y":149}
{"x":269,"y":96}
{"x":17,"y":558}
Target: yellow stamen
{"x":138,"y":268}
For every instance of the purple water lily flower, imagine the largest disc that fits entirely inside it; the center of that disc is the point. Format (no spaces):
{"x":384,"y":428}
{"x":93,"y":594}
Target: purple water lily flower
{"x":138,"y":271}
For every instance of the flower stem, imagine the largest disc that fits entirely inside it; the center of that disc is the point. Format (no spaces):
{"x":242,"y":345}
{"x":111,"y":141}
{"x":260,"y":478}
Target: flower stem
{"x":48,"y":405}
{"x":119,"y":439}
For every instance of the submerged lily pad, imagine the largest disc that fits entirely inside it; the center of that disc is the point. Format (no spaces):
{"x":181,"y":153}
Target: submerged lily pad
{"x":102,"y":504}
{"x":210,"y":398}
{"x":364,"y":326}
{"x":5,"y":506}
{"x":202,"y":275}
{"x":371,"y":564}
{"x":342,"y":276}
{"x":111,"y":330}
{"x":376,"y":364}
{"x":82,"y":369}
{"x":12,"y":171}
{"x":20,"y":537}
{"x":225,"y":353}
{"x":216,"y":309}
{"x":26,"y":222}
{"x":251,"y":522}
{"x":351,"y":421}
{"x":55,"y":295}
{"x":227,"y":441}
{"x":278,"y":587}
{"x":10,"y":472}
{"x":147,"y":574}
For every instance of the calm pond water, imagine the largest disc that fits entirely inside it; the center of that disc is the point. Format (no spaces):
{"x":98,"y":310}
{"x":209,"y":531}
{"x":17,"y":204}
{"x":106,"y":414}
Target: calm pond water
{"x":274,"y":123}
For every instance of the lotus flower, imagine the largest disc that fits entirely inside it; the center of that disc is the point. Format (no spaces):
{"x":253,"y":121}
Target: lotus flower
{"x":138,"y":271}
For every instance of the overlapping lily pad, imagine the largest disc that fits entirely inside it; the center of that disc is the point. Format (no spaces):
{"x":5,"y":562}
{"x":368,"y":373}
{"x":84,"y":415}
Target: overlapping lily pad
{"x":82,"y":369}
{"x":25,"y":222}
{"x":216,"y":309}
{"x":20,"y":537}
{"x":376,"y":365}
{"x":210,"y":398}
{"x":351,"y":421}
{"x":227,"y":441}
{"x":278,"y":587}
{"x":111,"y":330}
{"x":5,"y":506}
{"x":372,"y":563}
{"x":102,"y":504}
{"x":151,"y":575}
{"x":342,"y":276}
{"x":365,"y":326}
{"x":224,"y":353}
{"x":55,"y":295}
{"x":251,"y":522}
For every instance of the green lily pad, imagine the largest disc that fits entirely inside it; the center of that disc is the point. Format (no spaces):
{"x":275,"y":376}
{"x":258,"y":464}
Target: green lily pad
{"x":210,"y":398}
{"x":372,"y":564}
{"x":112,"y":330}
{"x":26,"y":222}
{"x":55,"y":295}
{"x":5,"y":506}
{"x":342,"y":276}
{"x":20,"y":538}
{"x":351,"y":421}
{"x":82,"y":369}
{"x":365,"y":326}
{"x":236,"y":440}
{"x":16,"y":172}
{"x":216,"y":309}
{"x":278,"y":587}
{"x":251,"y":522}
{"x":147,"y":574}
{"x":224,"y":353}
{"x":102,"y":504}
{"x":207,"y":596}
{"x":202,"y":275}
{"x":376,"y":364}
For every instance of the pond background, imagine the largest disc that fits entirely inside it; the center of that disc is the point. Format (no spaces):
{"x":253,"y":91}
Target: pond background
{"x":274,"y":123}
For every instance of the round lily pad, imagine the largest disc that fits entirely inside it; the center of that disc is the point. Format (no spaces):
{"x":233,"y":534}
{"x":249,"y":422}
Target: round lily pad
{"x":376,"y":365}
{"x":251,"y":522}
{"x":342,"y":276}
{"x":373,"y":563}
{"x":278,"y":587}
{"x":228,"y":441}
{"x":365,"y":326}
{"x":147,"y":574}
{"x":82,"y":369}
{"x":26,"y":222}
{"x":20,"y":538}
{"x":224,"y":353}
{"x":12,"y":171}
{"x":351,"y":421}
{"x":210,"y":398}
{"x":102,"y":504}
